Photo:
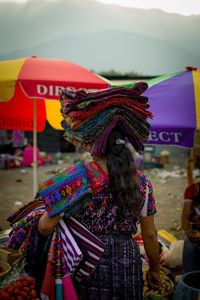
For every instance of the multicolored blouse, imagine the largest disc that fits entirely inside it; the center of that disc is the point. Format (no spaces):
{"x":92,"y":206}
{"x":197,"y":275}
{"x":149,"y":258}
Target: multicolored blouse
{"x":99,"y":214}
{"x":83,"y":192}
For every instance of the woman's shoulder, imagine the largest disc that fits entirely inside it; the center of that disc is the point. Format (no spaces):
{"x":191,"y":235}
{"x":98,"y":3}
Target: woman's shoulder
{"x":143,"y":178}
{"x":96,"y":176}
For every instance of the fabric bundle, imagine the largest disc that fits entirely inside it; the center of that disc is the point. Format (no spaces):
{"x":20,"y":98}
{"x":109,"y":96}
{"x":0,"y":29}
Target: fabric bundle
{"x":65,"y":257}
{"x":90,"y":117}
{"x":66,"y":191}
{"x":72,"y":250}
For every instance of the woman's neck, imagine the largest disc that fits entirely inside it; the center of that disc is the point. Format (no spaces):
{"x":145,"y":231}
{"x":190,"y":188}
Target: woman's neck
{"x":99,"y":158}
{"x":102,"y":162}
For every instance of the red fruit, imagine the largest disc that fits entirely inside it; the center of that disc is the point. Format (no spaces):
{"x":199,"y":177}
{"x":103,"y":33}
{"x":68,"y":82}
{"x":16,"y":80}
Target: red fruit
{"x":19,"y":284}
{"x":30,"y":279}
{"x":23,"y":294}
{"x":5,"y":288}
{"x":5,"y":296}
{"x":32,"y":287}
{"x":25,"y":283}
{"x":19,"y":298}
{"x":22,"y":278}
{"x":26,"y":289}
{"x":10,"y":290}
{"x":33,"y":294}
{"x":16,"y":292}
{"x":11,"y":285}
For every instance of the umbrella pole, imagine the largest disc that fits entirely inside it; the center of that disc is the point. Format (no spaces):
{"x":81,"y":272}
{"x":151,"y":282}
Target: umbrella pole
{"x":35,"y":148}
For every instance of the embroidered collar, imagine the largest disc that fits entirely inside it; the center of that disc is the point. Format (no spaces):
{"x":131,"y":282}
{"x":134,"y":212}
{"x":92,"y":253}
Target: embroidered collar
{"x":96,"y":176}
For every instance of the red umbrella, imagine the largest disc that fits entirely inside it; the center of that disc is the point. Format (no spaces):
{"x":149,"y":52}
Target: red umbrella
{"x":39,"y":78}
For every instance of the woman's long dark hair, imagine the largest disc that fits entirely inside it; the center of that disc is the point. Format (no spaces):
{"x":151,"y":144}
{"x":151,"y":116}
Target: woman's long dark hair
{"x":122,"y":173}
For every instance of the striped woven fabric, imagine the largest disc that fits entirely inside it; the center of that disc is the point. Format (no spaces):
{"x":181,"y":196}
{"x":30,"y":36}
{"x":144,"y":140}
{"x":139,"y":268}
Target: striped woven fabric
{"x":89,"y":117}
{"x":80,"y":252}
{"x":93,"y":248}
{"x":76,"y":119}
{"x":71,"y":251}
{"x":22,"y":228}
{"x":75,"y":98}
{"x":35,"y":205}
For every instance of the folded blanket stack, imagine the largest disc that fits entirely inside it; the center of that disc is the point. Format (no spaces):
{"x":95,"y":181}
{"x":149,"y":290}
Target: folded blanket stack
{"x":89,"y":117}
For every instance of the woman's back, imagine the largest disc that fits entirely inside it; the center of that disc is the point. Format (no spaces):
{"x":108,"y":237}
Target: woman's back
{"x":100,"y":213}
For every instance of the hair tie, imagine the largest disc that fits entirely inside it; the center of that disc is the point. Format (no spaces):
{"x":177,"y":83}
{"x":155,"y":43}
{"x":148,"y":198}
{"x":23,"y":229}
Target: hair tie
{"x":120,"y":142}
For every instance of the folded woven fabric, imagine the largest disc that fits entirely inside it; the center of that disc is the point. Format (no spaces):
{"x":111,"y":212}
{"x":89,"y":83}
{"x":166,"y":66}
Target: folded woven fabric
{"x":95,"y":126}
{"x":75,"y":250}
{"x":93,"y":248}
{"x":66,"y":191}
{"x":89,"y":134}
{"x":71,"y":251}
{"x":35,"y":205}
{"x":76,"y":118}
{"x":88,"y":115}
{"x":76,"y":97}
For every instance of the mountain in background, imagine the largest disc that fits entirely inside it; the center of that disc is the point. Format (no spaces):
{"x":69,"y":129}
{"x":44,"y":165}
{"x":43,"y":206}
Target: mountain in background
{"x":122,"y":51}
{"x":100,"y":37}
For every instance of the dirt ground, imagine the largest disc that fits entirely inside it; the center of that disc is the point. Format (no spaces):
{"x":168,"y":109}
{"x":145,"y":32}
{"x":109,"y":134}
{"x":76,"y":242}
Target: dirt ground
{"x":169,"y":182}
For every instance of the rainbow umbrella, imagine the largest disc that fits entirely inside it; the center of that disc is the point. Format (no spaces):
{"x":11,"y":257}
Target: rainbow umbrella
{"x":39,"y":79}
{"x":175,"y":102}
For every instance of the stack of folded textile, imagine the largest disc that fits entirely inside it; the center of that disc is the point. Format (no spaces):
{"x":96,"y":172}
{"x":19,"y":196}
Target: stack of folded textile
{"x":89,"y":117}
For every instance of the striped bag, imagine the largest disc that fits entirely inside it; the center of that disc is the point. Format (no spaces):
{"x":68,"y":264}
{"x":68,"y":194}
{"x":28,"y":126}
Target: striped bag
{"x":82,"y":250}
{"x":72,"y":253}
{"x":93,"y":248}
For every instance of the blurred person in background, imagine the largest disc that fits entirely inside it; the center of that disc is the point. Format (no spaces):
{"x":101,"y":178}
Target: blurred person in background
{"x":28,"y":155}
{"x":191,"y":225}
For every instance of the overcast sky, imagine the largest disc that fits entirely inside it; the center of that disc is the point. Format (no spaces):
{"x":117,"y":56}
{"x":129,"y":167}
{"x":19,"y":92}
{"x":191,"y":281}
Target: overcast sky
{"x":77,"y":30}
{"x":184,"y":7}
